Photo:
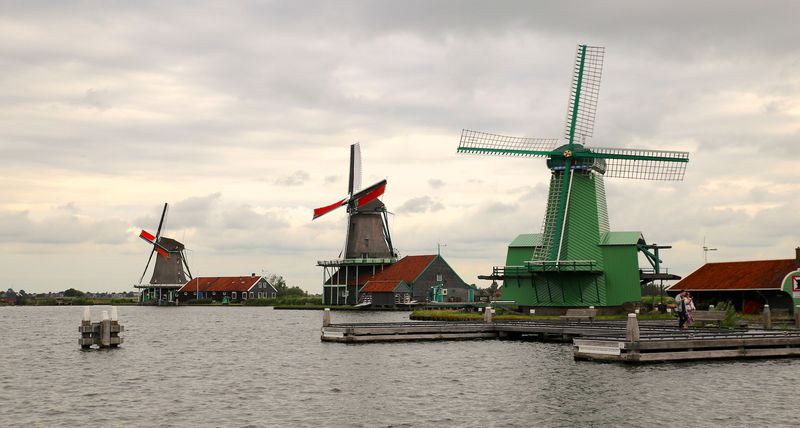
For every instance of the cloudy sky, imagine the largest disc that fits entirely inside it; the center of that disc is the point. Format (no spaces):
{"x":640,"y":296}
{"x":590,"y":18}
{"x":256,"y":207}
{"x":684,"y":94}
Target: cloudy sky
{"x":239,"y":114}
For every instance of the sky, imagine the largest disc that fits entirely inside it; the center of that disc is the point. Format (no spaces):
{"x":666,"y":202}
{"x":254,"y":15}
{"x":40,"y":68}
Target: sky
{"x":239,"y":115}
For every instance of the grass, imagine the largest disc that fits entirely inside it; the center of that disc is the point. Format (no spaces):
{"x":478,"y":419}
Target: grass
{"x":333,"y":308}
{"x":455,"y":315}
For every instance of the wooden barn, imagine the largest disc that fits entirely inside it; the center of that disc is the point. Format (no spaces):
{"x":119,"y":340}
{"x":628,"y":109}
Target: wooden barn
{"x":385,"y":294}
{"x":747,"y":284}
{"x":233,"y":289}
{"x":429,"y":278}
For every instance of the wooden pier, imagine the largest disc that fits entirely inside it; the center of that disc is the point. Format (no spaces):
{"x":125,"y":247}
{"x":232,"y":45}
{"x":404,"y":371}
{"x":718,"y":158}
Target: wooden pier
{"x":631,"y":341}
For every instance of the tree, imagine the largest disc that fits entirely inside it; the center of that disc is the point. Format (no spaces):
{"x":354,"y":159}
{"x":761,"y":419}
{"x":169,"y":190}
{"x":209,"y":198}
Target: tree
{"x":296,"y":291}
{"x":10,"y":293}
{"x":283,"y":290}
{"x":278,"y":282}
{"x":71,"y":292}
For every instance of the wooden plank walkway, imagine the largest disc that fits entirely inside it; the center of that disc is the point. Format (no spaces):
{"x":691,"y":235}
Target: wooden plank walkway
{"x":607,"y":340}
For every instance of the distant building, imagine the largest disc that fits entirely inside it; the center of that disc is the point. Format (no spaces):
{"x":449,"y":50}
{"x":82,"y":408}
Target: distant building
{"x":389,"y":293}
{"x":748,"y":284}
{"x":428,"y":278}
{"x":233,"y":289}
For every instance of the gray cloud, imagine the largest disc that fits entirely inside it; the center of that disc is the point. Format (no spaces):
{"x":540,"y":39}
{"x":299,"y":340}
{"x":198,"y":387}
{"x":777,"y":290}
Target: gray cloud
{"x":297,"y":178}
{"x":18,"y":227}
{"x":420,"y":205}
{"x":436,"y":183}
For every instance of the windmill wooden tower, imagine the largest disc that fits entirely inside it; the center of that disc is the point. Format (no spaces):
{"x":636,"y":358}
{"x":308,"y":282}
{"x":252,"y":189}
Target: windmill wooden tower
{"x":576,"y":260}
{"x":368,"y":243}
{"x":168,"y":271}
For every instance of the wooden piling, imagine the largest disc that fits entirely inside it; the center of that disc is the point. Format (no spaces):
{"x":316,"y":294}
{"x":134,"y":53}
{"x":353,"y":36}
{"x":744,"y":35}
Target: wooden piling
{"x":632,"y":331}
{"x":487,"y":314}
{"x":797,"y":316}
{"x":104,"y":333}
{"x":767,"y":314}
{"x":326,"y":317}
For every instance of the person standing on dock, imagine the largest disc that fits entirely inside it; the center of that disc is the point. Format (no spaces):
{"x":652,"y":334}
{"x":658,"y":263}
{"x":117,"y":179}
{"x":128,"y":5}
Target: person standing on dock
{"x":680,"y":308}
{"x":688,"y":307}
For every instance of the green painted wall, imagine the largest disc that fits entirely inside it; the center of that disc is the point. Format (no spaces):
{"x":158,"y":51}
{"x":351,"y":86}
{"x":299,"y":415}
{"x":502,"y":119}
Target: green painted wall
{"x":622,"y":274}
{"x":787,"y":287}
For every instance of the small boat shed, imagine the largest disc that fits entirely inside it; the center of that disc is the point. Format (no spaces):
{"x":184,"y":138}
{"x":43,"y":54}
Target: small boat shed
{"x":749,"y":285}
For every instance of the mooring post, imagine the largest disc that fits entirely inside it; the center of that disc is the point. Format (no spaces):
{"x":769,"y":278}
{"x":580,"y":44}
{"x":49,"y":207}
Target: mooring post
{"x":767,"y":317}
{"x":797,"y":316}
{"x":105,"y":330}
{"x":632,"y":331}
{"x":326,"y":317}
{"x":487,"y":314}
{"x":86,"y":328}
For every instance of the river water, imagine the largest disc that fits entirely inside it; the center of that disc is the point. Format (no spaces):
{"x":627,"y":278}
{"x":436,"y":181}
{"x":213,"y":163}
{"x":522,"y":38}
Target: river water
{"x":258,"y":367}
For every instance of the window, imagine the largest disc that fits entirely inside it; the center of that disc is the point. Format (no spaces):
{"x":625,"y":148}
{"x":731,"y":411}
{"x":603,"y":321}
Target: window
{"x":438,"y":277}
{"x":259,"y":294}
{"x":251,"y":294}
{"x":244,"y":295}
{"x":233,"y":295}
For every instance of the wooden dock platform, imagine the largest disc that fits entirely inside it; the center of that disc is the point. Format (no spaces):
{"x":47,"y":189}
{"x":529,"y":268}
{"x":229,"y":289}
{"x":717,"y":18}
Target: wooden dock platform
{"x":692,"y":345}
{"x":631,"y":341}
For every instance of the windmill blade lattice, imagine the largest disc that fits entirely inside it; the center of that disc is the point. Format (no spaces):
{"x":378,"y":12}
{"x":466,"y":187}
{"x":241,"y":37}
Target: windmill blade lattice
{"x":586,"y":87}
{"x":641,"y":164}
{"x":483,"y":143}
{"x":355,"y":169}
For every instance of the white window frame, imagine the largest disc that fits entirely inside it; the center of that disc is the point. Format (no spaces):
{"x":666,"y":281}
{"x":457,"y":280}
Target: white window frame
{"x":233,"y":294}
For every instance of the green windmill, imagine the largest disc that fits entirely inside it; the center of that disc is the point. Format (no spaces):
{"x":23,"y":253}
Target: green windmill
{"x":576,"y":260}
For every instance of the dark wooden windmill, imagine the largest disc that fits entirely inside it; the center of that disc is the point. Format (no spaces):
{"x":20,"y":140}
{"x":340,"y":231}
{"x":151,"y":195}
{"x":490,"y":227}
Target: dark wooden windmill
{"x":368,"y":243}
{"x":168,"y":272}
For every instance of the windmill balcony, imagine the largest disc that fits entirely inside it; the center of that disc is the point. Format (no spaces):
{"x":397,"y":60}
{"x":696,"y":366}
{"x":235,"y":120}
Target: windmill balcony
{"x":358,"y":261}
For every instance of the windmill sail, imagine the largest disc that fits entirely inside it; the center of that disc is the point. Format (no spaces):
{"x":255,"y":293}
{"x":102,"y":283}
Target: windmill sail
{"x":585,"y":90}
{"x":476,"y":142}
{"x":354,"y":184}
{"x":643,"y":164}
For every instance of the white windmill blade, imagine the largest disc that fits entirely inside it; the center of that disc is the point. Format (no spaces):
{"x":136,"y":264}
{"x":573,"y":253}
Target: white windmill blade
{"x":588,"y":70}
{"x":354,"y":184}
{"x":476,"y":142}
{"x":643,"y":164}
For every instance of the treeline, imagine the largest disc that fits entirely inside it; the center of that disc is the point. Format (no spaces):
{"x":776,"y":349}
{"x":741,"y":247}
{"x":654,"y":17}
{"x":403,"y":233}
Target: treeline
{"x":284,"y":290}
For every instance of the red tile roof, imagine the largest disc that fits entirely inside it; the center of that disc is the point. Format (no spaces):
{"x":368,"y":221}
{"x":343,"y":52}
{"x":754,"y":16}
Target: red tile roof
{"x":221,"y":283}
{"x":386,"y":286}
{"x":738,"y":275}
{"x":406,"y":269}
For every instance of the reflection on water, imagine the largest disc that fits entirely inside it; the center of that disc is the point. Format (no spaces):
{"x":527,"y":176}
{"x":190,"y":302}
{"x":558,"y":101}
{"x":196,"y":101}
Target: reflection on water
{"x":242,"y":366}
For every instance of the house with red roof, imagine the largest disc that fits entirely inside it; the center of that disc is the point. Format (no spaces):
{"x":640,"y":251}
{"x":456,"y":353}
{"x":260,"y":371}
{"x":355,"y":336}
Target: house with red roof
{"x":426,"y":278}
{"x":233,"y":289}
{"x":747,"y":284}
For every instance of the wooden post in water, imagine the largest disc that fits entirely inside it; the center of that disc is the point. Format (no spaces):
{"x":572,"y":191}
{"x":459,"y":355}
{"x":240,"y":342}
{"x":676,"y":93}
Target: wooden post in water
{"x":487,"y":314}
{"x":86,"y":329}
{"x":632,"y":331}
{"x":105,"y":330}
{"x":767,"y":317}
{"x":326,"y":317}
{"x":797,"y":316}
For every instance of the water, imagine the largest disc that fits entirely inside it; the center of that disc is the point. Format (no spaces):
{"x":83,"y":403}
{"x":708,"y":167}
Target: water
{"x":254,"y":367}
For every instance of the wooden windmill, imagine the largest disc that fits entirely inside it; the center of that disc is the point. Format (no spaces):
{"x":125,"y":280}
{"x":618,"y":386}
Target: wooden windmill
{"x":574,"y":260}
{"x":168,"y":272}
{"x":368,"y":243}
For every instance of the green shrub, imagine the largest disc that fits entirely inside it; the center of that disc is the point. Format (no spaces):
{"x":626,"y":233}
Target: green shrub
{"x":206,"y":301}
